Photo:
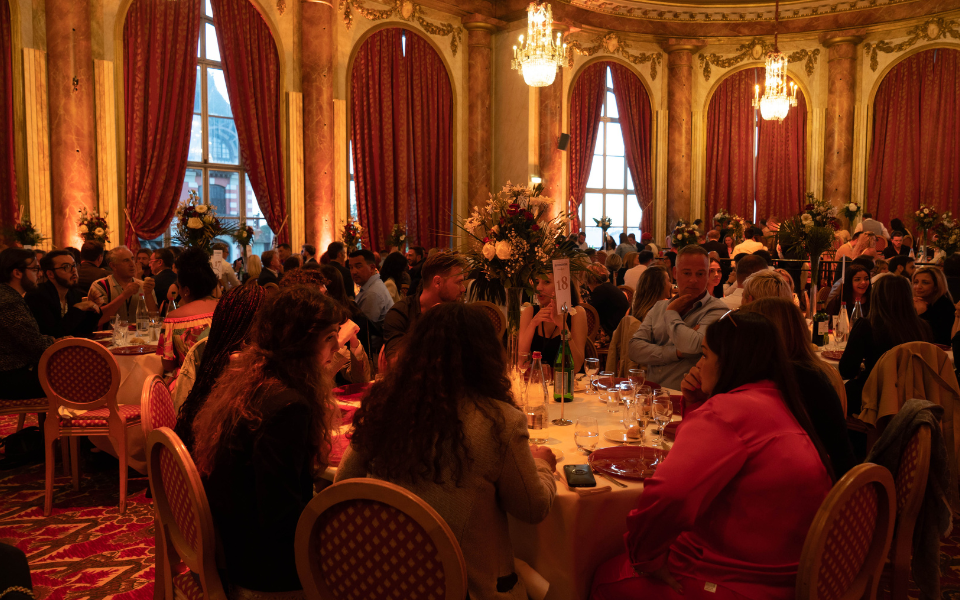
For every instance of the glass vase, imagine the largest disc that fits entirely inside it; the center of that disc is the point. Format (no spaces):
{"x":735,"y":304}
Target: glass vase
{"x":514,"y":300}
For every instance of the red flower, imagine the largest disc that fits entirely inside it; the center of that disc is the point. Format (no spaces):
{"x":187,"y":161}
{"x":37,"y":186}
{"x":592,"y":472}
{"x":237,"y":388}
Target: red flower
{"x":534,"y":227}
{"x":485,"y":240}
{"x":513,"y":210}
{"x":809,"y":207}
{"x":529,"y":215}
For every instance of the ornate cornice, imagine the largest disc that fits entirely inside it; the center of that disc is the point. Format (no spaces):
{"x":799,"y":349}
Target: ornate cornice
{"x":407,"y":11}
{"x":756,"y":49}
{"x":732,"y":11}
{"x":612,"y":43}
{"x":934,"y":29}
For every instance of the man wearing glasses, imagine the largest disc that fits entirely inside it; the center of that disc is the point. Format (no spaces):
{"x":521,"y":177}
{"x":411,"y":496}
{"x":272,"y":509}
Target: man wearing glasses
{"x":58,"y":306}
{"x":21,"y":343}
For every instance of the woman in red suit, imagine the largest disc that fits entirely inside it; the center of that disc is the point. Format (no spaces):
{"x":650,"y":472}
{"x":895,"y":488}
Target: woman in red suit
{"x":726,"y":514}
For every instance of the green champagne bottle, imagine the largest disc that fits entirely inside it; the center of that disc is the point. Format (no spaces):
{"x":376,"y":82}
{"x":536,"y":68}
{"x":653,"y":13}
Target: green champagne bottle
{"x":821,"y":328}
{"x":563,"y":374}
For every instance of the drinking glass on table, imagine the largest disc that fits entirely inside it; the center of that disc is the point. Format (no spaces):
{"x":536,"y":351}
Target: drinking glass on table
{"x":120,"y":327}
{"x":586,"y":433}
{"x":154,"y":322}
{"x":644,"y":406}
{"x":610,"y":390}
{"x":638,"y":376}
{"x":591,"y":367}
{"x":662,"y":413}
{"x":628,"y":393}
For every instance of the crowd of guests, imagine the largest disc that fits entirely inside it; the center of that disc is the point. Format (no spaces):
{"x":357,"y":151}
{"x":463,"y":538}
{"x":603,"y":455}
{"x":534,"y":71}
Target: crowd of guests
{"x":257,"y":354}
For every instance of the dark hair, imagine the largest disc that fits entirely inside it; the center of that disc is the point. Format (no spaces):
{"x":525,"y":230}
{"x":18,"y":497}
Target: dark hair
{"x":847,"y":296}
{"x":366,"y":255}
{"x":143,"y":251}
{"x":644,"y":257}
{"x":46,"y":263}
{"x":892,"y":315}
{"x":228,"y":332}
{"x":176,"y":251}
{"x":409,"y":425}
{"x":165,"y":255}
{"x":74,"y":253}
{"x":749,"y":265}
{"x":440,"y":264}
{"x":867,"y":215}
{"x":281,"y":356}
{"x":309,"y":277}
{"x":334,"y":249}
{"x":864,"y":261}
{"x":284,"y":246}
{"x":896,"y":233}
{"x":897,"y":225}
{"x":393,"y":267}
{"x":766,"y":256}
{"x":195,"y":273}
{"x":310,"y":249}
{"x":91,"y":251}
{"x":222,"y":247}
{"x":751,"y":334}
{"x":951,"y":266}
{"x":623,"y":237}
{"x":267,"y":257}
{"x":291,"y":264}
{"x":902,"y":260}
{"x":419,"y":251}
{"x":335,"y":287}
{"x":14,"y":258}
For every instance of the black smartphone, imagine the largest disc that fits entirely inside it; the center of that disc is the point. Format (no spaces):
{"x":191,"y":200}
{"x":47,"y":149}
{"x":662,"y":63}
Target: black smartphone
{"x":579,"y":476}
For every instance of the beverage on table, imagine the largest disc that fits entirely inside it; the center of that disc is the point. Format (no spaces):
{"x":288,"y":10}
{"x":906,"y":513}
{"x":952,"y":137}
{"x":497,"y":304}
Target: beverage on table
{"x":843,"y":326}
{"x":563,"y":374}
{"x":821,"y":325}
{"x":586,"y":434}
{"x":591,"y":367}
{"x":143,"y":317}
{"x":856,"y":314}
{"x":662,"y":413}
{"x":535,"y":404}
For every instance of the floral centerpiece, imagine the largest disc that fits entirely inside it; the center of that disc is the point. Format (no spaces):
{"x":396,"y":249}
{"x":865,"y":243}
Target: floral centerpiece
{"x":722,"y":217}
{"x":512,"y":240}
{"x":684,"y":235}
{"x":198,"y":225}
{"x":947,"y":233}
{"x":820,"y":213}
{"x":926,"y":219}
{"x":25,"y":234}
{"x":851,"y":211}
{"x":397,"y":237}
{"x":730,"y":224}
{"x":808,"y":235}
{"x":604,"y":224}
{"x":92,"y":226}
{"x":243,"y":237}
{"x":351,"y":235}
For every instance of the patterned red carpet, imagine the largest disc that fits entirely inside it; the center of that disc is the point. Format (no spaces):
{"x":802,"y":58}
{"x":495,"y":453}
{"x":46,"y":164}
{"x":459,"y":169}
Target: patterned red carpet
{"x":88,"y":550}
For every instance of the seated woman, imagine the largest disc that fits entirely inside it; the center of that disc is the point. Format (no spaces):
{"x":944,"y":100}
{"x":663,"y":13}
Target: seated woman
{"x":264,"y":431}
{"x":819,"y":384}
{"x":184,"y":327}
{"x":766,"y":284}
{"x":394,"y":275}
{"x":856,"y":288}
{"x":933,"y":302}
{"x":444,"y":425}
{"x":726,"y":514}
{"x":540,"y":326}
{"x":654,"y":285}
{"x":229,"y":332}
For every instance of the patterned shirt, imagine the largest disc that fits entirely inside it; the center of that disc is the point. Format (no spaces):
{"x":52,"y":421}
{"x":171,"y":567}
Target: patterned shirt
{"x":108,"y":288}
{"x":21,"y":343}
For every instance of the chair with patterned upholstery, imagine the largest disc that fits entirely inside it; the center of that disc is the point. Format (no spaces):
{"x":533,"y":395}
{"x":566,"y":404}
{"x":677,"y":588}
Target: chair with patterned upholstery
{"x":628,"y":292}
{"x":849,"y":538}
{"x":593,"y":322}
{"x":911,"y":484}
{"x":185,"y":525}
{"x":344,"y":530}
{"x":156,"y":406}
{"x":496,"y":315}
{"x":82,"y":375}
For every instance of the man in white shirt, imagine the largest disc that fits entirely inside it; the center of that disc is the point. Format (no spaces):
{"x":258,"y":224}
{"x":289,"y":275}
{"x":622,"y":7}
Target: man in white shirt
{"x":752,"y":242}
{"x":632,"y":276}
{"x":872,"y":225}
{"x":582,"y":241}
{"x":747,"y":266}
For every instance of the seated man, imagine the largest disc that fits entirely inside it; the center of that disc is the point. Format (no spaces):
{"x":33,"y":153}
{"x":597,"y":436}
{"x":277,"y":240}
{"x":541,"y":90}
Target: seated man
{"x":115,"y":294}
{"x":752,"y":243}
{"x":747,"y":266}
{"x":21,"y":343}
{"x":272,"y":267}
{"x":442,"y":277}
{"x":669,"y":338}
{"x":58,"y":306}
{"x":161,"y":264}
{"x":373,"y":299}
{"x":91,"y":257}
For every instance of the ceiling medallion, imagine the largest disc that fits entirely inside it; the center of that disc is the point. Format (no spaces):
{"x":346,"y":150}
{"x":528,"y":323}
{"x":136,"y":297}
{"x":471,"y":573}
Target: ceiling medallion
{"x":539,"y":57}
{"x":776,"y":101}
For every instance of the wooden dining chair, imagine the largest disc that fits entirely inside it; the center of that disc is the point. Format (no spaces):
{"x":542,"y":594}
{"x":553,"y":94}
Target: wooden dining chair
{"x":911,"y":484}
{"x":185,"y":525}
{"x":496,"y":315}
{"x":343,"y":534}
{"x":627,"y":291}
{"x":80,"y":374}
{"x":156,"y":406}
{"x":22,"y":408}
{"x":849,"y":538}
{"x":593,"y":322}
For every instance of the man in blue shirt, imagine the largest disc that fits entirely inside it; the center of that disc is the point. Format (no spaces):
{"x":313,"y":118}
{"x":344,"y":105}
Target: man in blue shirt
{"x":373,"y":299}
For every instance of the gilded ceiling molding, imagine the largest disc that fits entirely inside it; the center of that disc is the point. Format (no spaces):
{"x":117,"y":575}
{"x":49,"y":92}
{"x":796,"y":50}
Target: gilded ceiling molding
{"x":934,"y":29}
{"x":614,"y":44}
{"x":407,"y":11}
{"x":672,"y":11}
{"x":756,"y":49}
{"x":281,"y":6}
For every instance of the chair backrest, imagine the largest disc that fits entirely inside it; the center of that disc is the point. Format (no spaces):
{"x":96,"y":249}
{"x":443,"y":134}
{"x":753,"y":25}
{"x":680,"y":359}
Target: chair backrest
{"x":593,"y":322}
{"x":496,"y":315}
{"x":361,"y":533}
{"x":911,"y":478}
{"x":849,"y":538}
{"x":156,"y":406}
{"x":79,"y":373}
{"x":182,"y":507}
{"x":628,"y":292}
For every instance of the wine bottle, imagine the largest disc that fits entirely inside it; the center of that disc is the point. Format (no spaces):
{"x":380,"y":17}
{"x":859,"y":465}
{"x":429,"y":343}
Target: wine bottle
{"x":563,"y":374}
{"x":821,"y":328}
{"x":535,"y":396}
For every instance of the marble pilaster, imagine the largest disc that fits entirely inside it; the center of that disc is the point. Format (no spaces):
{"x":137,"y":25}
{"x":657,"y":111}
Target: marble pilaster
{"x":479,"y":109}
{"x":839,"y":118}
{"x":680,"y":128}
{"x":550,"y":122}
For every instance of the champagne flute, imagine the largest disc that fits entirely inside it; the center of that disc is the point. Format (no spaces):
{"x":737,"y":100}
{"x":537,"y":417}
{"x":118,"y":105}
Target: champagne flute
{"x":586,"y":433}
{"x":644,"y":410}
{"x":662,"y":413}
{"x":591,"y":367}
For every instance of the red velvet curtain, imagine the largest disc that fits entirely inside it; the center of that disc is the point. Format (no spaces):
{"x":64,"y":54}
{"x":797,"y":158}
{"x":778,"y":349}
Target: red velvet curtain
{"x":251,"y":68}
{"x":160,"y":76}
{"x":916,"y":138}
{"x":586,"y":105}
{"x":636,"y":121}
{"x":379,"y":133}
{"x":9,"y":206}
{"x":730,"y":138}
{"x":429,"y":220}
{"x":781,"y":178}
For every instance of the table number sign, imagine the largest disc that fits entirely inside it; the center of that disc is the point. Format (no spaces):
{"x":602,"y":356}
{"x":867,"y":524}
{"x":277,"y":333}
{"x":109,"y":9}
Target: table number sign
{"x":562,"y":283}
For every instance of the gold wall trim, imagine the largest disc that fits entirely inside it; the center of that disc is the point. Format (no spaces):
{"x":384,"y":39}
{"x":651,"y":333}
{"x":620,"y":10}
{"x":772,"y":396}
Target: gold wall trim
{"x":731,"y":11}
{"x":755,"y":49}
{"x":929,"y":31}
{"x":106,"y":110}
{"x":858,"y":190}
{"x":295,"y":193}
{"x":405,"y":10}
{"x":38,"y":141}
{"x":698,"y":170}
{"x":660,"y":216}
{"x":612,"y":43}
{"x":341,"y":187}
{"x":816,"y":129}
{"x":19,"y":133}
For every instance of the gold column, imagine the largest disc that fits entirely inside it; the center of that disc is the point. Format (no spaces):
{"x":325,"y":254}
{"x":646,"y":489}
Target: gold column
{"x":479,"y":109}
{"x":838,"y":130}
{"x":680,"y":127}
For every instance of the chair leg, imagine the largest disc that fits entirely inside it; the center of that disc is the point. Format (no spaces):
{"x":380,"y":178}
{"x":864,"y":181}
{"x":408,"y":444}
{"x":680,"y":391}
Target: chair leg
{"x":21,"y":420}
{"x":122,"y":455}
{"x":75,"y":463}
{"x":65,"y":457}
{"x":50,"y":471}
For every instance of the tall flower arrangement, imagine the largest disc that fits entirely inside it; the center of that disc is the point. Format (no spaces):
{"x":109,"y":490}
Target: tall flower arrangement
{"x":810,"y":234}
{"x":729,"y":224}
{"x":684,"y":235}
{"x":398,"y":236}
{"x":851,"y":211}
{"x":198,"y":225}
{"x":25,"y":233}
{"x":92,"y":226}
{"x":351,"y":235}
{"x":926,"y":219}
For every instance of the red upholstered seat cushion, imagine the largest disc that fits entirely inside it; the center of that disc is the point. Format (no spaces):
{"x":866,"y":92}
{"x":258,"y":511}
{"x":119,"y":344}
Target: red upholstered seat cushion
{"x":98,"y":418}
{"x":188,"y":586}
{"x":38,"y":402}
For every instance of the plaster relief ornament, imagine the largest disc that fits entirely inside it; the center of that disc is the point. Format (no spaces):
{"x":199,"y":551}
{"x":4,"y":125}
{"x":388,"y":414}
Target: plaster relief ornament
{"x":757,"y":52}
{"x":406,"y":10}
{"x":933,"y":29}
{"x":611,"y":43}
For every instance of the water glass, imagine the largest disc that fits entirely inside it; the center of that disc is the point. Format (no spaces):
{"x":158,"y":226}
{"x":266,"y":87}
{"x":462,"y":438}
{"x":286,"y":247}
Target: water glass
{"x":154,"y":323}
{"x":638,"y":376}
{"x":591,"y":367}
{"x":628,"y":392}
{"x":644,"y":403}
{"x":610,"y":390}
{"x":662,"y":413}
{"x":586,"y":433}
{"x":120,"y":328}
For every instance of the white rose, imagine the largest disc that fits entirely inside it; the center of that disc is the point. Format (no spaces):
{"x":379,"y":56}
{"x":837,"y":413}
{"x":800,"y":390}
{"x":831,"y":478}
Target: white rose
{"x":852,"y":207}
{"x":504,"y":249}
{"x":926,"y":211}
{"x":83,"y":229}
{"x":98,"y":231}
{"x":194,"y":223}
{"x":806,"y":218}
{"x":489,"y":251}
{"x":202,"y":208}
{"x":403,"y":237}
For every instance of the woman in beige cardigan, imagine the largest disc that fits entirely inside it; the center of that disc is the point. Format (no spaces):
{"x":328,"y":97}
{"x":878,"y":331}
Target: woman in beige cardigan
{"x":443,"y":424}
{"x":654,"y":285}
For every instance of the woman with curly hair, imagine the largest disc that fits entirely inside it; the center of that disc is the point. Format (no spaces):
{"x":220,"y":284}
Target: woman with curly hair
{"x":443,"y":424}
{"x":264,"y":431}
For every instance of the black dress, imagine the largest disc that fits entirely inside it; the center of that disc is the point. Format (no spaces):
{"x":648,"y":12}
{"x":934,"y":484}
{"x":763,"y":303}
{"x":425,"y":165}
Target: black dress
{"x":826,"y":413}
{"x":548,"y":347}
{"x":940,"y":317}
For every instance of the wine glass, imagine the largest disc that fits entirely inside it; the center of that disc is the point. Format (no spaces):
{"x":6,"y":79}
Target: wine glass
{"x":628,"y":392}
{"x":638,"y":376}
{"x":662,"y":413}
{"x":591,"y":367}
{"x":586,"y":433}
{"x":611,"y":390}
{"x":644,"y":410}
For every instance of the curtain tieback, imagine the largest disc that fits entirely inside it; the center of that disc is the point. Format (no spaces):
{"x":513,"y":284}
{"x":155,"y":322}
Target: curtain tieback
{"x":130,"y":222}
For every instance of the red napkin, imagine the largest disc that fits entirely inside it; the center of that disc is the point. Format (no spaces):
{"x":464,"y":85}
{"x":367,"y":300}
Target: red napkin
{"x":351,"y":393}
{"x":340,"y":444}
{"x":346,"y":414}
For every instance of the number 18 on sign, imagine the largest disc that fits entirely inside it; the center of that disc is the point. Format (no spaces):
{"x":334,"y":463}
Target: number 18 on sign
{"x":563,"y":366}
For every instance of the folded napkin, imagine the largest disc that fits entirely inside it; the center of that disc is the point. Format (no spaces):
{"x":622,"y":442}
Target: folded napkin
{"x":592,"y":491}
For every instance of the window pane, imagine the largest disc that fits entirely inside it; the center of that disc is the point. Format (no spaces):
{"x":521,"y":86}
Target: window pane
{"x":353,"y":200}
{"x":224,"y":145}
{"x":596,"y":173}
{"x":233,"y":251}
{"x":611,"y":101}
{"x":225,"y":193}
{"x":207,"y":9}
{"x":196,"y":140}
{"x":609,"y":78}
{"x":594,"y":236}
{"x":200,"y":46}
{"x":615,"y":179}
{"x":599,"y":147}
{"x":615,"y":212}
{"x":262,"y":236}
{"x":614,"y":140}
{"x":633,"y":213}
{"x":192,"y":181}
{"x":593,"y":208}
{"x":218,"y":100}
{"x":197,"y":108}
{"x":213,"y":50}
{"x":629,"y":180}
{"x":253,"y":207}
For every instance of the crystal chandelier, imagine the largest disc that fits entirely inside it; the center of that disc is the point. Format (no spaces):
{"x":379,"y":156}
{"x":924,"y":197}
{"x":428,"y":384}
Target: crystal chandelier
{"x":539,"y":57}
{"x":776,"y":100}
